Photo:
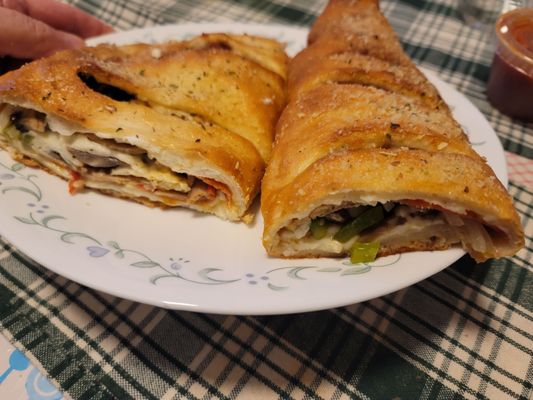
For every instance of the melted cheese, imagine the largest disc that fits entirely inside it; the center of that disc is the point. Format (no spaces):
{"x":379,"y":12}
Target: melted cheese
{"x":138,"y":178}
{"x":47,"y":143}
{"x":414,"y":228}
{"x":63,"y":127}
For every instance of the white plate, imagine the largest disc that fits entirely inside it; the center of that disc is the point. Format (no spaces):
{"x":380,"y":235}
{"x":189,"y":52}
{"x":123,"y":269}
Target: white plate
{"x":185,"y":260}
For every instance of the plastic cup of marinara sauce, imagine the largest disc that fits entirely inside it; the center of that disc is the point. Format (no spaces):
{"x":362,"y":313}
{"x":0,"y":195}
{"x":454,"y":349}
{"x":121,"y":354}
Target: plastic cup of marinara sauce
{"x":510,"y":87}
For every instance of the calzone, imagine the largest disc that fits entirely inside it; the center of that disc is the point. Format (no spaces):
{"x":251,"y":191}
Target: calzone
{"x":368,"y":160}
{"x":176,"y":124}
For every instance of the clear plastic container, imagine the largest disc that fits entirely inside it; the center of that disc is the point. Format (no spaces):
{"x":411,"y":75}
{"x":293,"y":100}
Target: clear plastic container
{"x":510,"y":87}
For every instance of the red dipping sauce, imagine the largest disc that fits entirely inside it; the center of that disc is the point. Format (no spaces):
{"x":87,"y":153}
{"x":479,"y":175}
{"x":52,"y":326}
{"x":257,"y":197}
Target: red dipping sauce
{"x":510,"y":87}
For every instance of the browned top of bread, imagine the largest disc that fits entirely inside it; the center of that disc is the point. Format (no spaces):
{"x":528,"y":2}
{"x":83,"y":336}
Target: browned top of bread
{"x":335,"y":117}
{"x":359,"y":47}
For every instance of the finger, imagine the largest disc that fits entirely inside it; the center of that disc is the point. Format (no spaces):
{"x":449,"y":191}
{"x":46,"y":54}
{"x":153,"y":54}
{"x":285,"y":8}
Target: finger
{"x":60,"y":16}
{"x":24,"y":37}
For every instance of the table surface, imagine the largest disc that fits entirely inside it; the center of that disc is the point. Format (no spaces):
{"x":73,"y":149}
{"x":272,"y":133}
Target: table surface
{"x":466,"y":332}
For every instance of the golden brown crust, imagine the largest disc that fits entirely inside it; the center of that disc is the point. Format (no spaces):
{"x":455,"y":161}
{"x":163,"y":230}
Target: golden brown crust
{"x":364,"y":125}
{"x":342,"y":117}
{"x":215,"y":76}
{"x":311,"y":68}
{"x":206,"y":106}
{"x":359,"y":47}
{"x":358,"y":26}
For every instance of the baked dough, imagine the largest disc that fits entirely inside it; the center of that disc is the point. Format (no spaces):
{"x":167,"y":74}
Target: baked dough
{"x":176,"y":124}
{"x":364,"y":129}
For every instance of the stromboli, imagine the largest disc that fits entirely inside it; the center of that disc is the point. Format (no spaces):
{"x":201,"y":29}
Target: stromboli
{"x":364,"y":130}
{"x":178,"y":124}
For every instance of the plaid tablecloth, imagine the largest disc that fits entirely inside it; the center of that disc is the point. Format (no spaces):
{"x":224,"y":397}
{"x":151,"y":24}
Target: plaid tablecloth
{"x":466,"y":332}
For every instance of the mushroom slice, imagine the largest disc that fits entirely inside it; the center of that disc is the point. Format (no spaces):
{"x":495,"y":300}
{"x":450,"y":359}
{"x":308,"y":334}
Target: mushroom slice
{"x":96,"y":161}
{"x":29,"y":120}
{"x":114,"y":145}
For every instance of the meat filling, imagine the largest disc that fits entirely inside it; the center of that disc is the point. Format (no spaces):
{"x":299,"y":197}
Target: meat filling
{"x":87,"y":160}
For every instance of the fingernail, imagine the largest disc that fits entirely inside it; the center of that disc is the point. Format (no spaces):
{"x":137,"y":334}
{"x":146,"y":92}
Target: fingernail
{"x":72,"y":41}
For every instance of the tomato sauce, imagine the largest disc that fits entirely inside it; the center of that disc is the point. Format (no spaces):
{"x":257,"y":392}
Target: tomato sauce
{"x":510,"y":87}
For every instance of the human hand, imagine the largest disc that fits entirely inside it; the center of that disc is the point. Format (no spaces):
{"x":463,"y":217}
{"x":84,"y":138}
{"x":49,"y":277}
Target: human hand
{"x":35,"y":28}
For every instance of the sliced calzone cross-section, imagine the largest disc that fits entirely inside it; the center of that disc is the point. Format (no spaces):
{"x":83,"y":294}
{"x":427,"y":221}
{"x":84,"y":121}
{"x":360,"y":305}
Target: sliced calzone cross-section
{"x":368,"y":159}
{"x":178,"y":124}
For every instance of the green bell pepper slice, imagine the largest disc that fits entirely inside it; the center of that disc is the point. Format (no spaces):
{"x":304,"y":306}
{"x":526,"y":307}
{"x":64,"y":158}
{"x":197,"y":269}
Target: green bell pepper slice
{"x":319,"y":228}
{"x":364,"y":252}
{"x":365,"y":220}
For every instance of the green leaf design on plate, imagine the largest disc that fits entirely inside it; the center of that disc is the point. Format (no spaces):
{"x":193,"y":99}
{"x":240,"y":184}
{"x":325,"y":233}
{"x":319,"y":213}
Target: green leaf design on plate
{"x":22,"y":189}
{"x":34,"y":191}
{"x":113,"y":244}
{"x":276,"y":287}
{"x":356,"y":270}
{"x":145,"y":264}
{"x":155,"y":278}
{"x":204,"y":274}
{"x":68,"y":236}
{"x":329,"y":269}
{"x":26,"y":221}
{"x":46,"y":220}
{"x":294,"y":272}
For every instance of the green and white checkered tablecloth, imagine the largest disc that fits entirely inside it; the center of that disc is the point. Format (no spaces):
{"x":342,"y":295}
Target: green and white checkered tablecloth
{"x":466,"y":332}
